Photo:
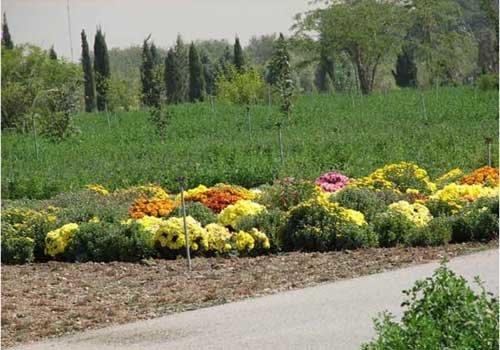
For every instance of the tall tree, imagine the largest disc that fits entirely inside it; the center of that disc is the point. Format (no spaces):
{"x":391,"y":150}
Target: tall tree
{"x":52,"y":53}
{"x":150,"y":85}
{"x":208,"y":73}
{"x":385,"y":24}
{"x":174,"y":81}
{"x":101,"y":69}
{"x":324,"y":75}
{"x":196,"y":81}
{"x":280,"y":65}
{"x":239,"y":61}
{"x":405,"y":74}
{"x":6,"y":38}
{"x":88,"y":75}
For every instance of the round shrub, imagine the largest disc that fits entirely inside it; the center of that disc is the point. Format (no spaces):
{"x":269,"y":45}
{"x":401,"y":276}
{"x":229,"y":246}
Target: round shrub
{"x":393,"y":228}
{"x":17,"y":250}
{"x":318,"y":225}
{"x":197,"y":211}
{"x":268,"y":221}
{"x":475,"y":224}
{"x":106,"y":242}
{"x":363,"y":200}
{"x":437,"y":232}
{"x":287,"y":193}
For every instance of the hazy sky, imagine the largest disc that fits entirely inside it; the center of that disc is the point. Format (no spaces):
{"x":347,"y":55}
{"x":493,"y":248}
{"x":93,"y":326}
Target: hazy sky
{"x":128,"y":22}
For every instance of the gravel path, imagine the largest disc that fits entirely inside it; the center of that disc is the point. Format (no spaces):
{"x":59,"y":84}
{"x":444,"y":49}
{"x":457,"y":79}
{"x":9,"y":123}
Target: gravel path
{"x":330,"y":316}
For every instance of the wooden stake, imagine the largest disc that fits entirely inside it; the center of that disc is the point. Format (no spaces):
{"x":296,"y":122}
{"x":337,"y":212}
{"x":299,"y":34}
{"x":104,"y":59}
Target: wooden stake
{"x":186,"y":233}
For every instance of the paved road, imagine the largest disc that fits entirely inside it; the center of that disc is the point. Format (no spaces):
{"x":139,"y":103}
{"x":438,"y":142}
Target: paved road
{"x":331,"y":316}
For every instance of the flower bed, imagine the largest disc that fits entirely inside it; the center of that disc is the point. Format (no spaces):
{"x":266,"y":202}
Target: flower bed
{"x":397,"y":204}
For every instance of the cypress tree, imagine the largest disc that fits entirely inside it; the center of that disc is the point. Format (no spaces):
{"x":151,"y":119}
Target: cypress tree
{"x":196,"y":80}
{"x":280,"y":64}
{"x":101,"y":69}
{"x":172,"y":78}
{"x":52,"y":53}
{"x":406,"y":69}
{"x":181,"y":55}
{"x":88,"y":75}
{"x":150,"y":85}
{"x":6,"y":38}
{"x":238,"y":55}
{"x":208,"y":73}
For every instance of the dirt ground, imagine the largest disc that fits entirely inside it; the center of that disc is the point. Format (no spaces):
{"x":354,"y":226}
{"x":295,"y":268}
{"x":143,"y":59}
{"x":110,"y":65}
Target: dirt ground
{"x":53,"y":299}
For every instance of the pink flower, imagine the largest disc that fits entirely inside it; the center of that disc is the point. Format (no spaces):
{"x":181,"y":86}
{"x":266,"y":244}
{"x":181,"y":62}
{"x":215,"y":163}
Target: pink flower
{"x":332,"y":181}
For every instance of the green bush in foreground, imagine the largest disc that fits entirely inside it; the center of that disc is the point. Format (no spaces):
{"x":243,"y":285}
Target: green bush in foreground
{"x":443,"y":312}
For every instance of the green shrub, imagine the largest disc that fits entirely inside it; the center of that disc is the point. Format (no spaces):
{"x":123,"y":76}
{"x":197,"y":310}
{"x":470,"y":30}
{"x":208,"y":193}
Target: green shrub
{"x":17,"y":250}
{"x":437,"y":232}
{"x":488,"y":82}
{"x":268,"y":221}
{"x":475,"y":224}
{"x":365,"y":201}
{"x":443,"y":312}
{"x":287,"y":193}
{"x":439,"y":208}
{"x":82,"y":206}
{"x":109,"y":242}
{"x":312,"y":227}
{"x":197,"y":211}
{"x":19,"y":223}
{"x":393,"y":229}
{"x":241,"y":88}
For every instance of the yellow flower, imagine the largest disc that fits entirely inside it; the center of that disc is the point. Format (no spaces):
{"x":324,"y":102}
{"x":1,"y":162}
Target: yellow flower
{"x":243,"y":241}
{"x":98,"y":189}
{"x":455,"y":195}
{"x":233,"y":213}
{"x":218,"y":238}
{"x":417,"y":213}
{"x":56,"y":241}
{"x":170,"y":234}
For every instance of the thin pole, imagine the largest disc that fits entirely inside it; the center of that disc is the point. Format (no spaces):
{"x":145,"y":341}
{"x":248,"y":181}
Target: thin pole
{"x":107,"y":115}
{"x":69,"y":30}
{"x":186,"y":234}
{"x":282,"y":157}
{"x":424,"y":110}
{"x":249,"y":122}
{"x":488,"y":142}
{"x":268,"y":97}
{"x":212,"y":102}
{"x":37,"y":151}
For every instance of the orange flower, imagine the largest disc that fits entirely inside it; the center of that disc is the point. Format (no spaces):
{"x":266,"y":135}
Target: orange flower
{"x":483,"y":176}
{"x":151,"y":207}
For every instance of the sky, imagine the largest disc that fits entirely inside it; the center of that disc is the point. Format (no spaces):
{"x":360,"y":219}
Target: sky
{"x":128,"y":22}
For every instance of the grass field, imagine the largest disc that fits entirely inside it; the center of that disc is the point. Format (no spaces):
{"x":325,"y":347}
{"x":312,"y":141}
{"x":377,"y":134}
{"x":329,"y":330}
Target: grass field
{"x":438,"y":131}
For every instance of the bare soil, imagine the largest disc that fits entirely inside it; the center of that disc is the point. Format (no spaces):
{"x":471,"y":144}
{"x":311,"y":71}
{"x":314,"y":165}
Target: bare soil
{"x":52,"y":299}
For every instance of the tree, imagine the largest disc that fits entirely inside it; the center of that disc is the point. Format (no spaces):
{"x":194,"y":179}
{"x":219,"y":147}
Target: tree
{"x":174,"y":87}
{"x":239,"y":61}
{"x":384,"y":26}
{"x":260,"y":49}
{"x":88,"y":75}
{"x":325,"y":70}
{"x":280,"y":65}
{"x":101,"y":69}
{"x":441,"y":40}
{"x":405,"y":74}
{"x":208,"y":73}
{"x":52,"y":53}
{"x":196,"y":81}
{"x":6,"y":38}
{"x":150,"y":85}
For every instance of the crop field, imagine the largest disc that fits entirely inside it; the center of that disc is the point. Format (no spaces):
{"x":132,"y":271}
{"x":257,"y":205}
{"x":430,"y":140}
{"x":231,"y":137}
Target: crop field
{"x":438,"y":130}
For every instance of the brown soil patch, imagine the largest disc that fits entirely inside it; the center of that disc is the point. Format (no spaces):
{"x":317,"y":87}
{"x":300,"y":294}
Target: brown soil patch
{"x":54,"y":298}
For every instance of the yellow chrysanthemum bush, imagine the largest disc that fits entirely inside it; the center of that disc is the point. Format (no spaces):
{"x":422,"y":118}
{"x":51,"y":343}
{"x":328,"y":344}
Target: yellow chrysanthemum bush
{"x":151,"y":191}
{"x":23,"y":233}
{"x":170,"y":236}
{"x":219,"y":238}
{"x":252,"y":242}
{"x":235,"y":212}
{"x":321,"y":225}
{"x":452,"y":197}
{"x":417,"y":213}
{"x":400,"y":177}
{"x":57,"y":240}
